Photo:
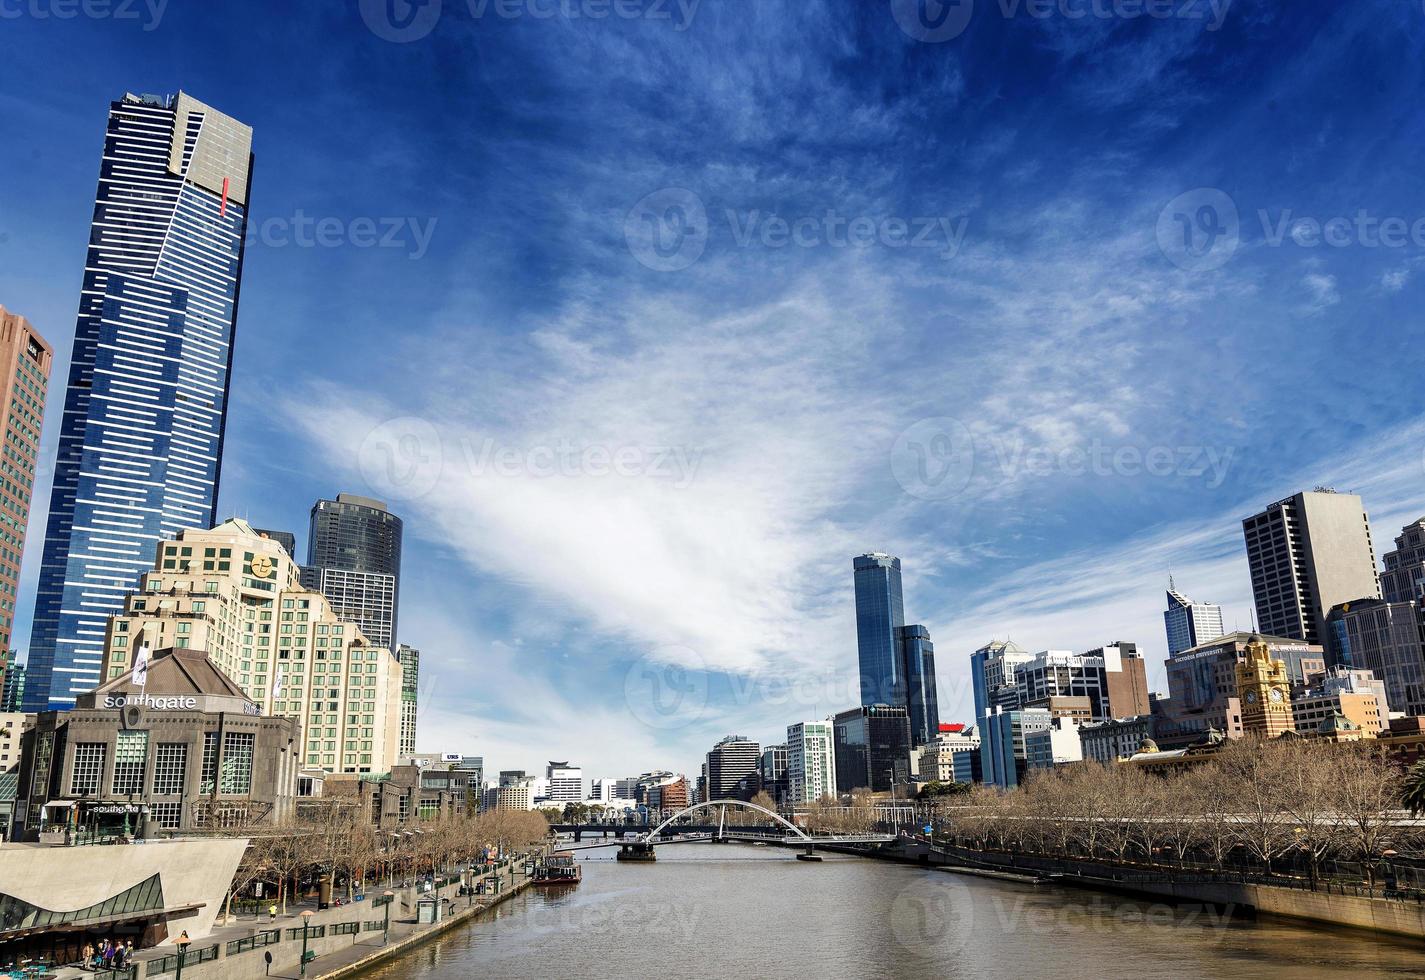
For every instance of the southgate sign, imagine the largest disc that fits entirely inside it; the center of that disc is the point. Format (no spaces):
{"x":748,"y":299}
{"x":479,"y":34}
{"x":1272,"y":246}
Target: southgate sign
{"x":161,"y":702}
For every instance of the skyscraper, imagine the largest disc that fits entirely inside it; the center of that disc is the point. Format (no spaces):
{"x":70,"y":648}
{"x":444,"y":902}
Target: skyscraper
{"x":410,"y":659}
{"x":1404,"y":577}
{"x":734,"y":766}
{"x":880,"y":611}
{"x":141,"y":439}
{"x":1308,"y":553}
{"x":25,"y":359}
{"x":1189,"y":623}
{"x":811,"y":761}
{"x":286,"y":539}
{"x":354,"y":559}
{"x":897,"y":662}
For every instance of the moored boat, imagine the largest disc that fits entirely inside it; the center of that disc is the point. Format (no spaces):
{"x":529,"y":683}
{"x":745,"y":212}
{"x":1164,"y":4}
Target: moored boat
{"x":558,"y":869}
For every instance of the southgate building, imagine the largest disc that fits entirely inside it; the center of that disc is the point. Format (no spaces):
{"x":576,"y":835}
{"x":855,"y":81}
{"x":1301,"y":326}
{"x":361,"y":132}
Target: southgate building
{"x":141,"y":437}
{"x":235,"y":594}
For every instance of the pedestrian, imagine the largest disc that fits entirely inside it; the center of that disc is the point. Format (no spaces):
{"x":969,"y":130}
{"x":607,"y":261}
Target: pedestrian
{"x":129,"y":951}
{"x":87,"y":955}
{"x":272,"y":912}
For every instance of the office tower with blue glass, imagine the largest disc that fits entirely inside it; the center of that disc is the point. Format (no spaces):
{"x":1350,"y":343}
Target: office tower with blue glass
{"x":1190,"y":624}
{"x":897,"y":662}
{"x":141,"y":437}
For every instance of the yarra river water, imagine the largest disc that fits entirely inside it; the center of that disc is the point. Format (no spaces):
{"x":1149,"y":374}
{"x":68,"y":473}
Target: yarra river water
{"x":747,"y":911}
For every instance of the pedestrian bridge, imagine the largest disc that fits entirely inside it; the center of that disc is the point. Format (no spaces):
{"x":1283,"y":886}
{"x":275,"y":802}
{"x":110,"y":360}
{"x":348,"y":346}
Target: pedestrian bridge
{"x":781,"y":831}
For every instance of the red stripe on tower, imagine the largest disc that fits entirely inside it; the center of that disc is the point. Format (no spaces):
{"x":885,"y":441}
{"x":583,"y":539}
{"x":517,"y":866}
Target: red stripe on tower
{"x":223,"y":208}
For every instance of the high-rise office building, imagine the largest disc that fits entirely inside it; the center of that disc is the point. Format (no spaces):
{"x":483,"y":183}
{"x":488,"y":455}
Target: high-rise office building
{"x":1190,"y":624}
{"x":872,"y":748}
{"x":566,"y":782}
{"x":774,"y":772}
{"x":897,"y":661}
{"x":354,"y":559}
{"x":734,"y":765}
{"x":922,"y":700}
{"x":25,"y":359}
{"x":12,"y":694}
{"x":1404,"y":577}
{"x":992,"y":670}
{"x":286,"y":539}
{"x":141,"y":438}
{"x":811,"y":761}
{"x":410,"y":659}
{"x":234,"y":594}
{"x":880,"y":612}
{"x":1308,"y":553}
{"x":1383,"y":637}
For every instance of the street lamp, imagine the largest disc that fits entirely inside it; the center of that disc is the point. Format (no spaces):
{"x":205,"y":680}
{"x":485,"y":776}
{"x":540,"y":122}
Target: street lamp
{"x":306,"y":924}
{"x":386,"y":930}
{"x":182,"y":945}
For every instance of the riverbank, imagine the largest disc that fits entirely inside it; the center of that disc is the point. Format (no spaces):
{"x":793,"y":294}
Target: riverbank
{"x":333,"y":970}
{"x":1401,"y":918}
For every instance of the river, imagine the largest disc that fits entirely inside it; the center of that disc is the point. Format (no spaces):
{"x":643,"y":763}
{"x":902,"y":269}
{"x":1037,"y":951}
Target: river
{"x":743,"y":910}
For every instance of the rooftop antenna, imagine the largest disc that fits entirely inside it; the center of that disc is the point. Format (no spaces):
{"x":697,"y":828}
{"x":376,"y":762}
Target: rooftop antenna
{"x":1171,"y":586}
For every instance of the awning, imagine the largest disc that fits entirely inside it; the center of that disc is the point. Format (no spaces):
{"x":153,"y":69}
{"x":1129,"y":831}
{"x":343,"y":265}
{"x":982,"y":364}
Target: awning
{"x":65,"y":804}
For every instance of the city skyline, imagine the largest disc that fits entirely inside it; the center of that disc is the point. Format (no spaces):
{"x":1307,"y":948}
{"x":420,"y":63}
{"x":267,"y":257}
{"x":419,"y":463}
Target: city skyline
{"x":568,"y":583}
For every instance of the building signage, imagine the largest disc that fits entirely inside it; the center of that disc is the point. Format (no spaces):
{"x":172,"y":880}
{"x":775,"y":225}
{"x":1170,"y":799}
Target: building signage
{"x":108,"y":808}
{"x":161,"y":702}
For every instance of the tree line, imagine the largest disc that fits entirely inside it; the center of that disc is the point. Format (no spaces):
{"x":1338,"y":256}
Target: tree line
{"x":354,"y":853}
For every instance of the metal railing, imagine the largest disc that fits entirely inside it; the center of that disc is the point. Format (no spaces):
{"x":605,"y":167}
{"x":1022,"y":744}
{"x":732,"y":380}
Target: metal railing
{"x":264,"y":938}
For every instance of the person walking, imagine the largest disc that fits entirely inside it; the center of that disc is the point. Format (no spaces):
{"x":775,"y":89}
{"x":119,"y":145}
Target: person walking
{"x":272,"y":912}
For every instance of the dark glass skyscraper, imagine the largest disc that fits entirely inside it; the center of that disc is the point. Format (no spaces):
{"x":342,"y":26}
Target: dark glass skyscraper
{"x":897,"y":661}
{"x":880,"y":611}
{"x":141,"y":438}
{"x":354,"y":559}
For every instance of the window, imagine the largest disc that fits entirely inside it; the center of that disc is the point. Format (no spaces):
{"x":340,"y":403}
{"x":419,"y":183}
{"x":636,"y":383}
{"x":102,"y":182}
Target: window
{"x":210,"y":762}
{"x":170,"y":768}
{"x":88,"y":767}
{"x":130,"y":757}
{"x":237,"y":763}
{"x":166,"y":815}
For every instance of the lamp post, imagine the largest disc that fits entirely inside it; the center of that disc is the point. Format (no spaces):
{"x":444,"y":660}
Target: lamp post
{"x":182,"y":945}
{"x":386,"y":930}
{"x":306,"y":924}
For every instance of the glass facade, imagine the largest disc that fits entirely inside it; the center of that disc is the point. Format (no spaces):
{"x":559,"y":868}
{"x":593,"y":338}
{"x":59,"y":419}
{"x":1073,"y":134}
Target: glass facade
{"x":918,"y":655}
{"x":140,"y":443}
{"x":880,"y":611}
{"x":872,"y":748}
{"x":354,"y":559}
{"x":17,"y":914}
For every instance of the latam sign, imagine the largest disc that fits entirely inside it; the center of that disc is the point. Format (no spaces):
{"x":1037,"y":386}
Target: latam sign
{"x":162,"y":703}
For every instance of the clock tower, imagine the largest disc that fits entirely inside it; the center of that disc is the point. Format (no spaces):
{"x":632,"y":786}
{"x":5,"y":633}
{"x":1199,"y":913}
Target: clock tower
{"x":1265,"y":692}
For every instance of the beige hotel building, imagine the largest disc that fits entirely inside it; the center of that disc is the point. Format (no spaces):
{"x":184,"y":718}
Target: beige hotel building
{"x":235,"y":594}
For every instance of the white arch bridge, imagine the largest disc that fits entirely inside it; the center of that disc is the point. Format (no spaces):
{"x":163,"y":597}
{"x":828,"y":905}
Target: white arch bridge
{"x":641,"y":849}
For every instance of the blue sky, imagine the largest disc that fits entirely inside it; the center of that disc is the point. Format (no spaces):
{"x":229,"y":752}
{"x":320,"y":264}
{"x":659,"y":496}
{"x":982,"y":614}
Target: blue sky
{"x":648,"y":322}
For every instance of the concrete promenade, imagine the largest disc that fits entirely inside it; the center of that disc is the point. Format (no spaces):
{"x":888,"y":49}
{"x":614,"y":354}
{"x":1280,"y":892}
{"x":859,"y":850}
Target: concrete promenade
{"x":209,"y":957}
